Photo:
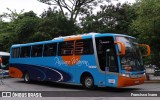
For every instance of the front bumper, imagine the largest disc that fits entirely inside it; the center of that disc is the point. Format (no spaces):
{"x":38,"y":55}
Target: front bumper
{"x":127,"y":81}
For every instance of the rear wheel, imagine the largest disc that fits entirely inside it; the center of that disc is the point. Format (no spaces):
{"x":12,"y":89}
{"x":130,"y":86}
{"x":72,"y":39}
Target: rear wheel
{"x":27,"y":77}
{"x":88,"y":82}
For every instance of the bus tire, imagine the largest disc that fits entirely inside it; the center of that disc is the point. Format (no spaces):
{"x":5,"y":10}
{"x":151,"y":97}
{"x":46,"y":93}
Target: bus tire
{"x":27,"y":77}
{"x":88,"y":82}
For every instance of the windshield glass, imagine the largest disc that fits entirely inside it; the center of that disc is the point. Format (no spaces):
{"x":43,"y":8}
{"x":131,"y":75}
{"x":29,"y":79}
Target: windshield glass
{"x":133,"y":57}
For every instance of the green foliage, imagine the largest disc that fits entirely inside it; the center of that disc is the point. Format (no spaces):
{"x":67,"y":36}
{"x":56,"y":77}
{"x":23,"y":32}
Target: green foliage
{"x":26,"y":26}
{"x":111,"y":18}
{"x":146,"y":27}
{"x":55,"y":24}
{"x":39,"y":36}
{"x":3,"y":27}
{"x":6,"y":40}
{"x":13,"y":15}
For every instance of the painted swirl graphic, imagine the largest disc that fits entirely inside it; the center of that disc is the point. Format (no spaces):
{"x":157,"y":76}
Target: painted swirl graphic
{"x":43,"y":73}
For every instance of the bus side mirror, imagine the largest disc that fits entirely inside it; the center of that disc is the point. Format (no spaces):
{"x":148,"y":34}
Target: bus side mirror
{"x":147,"y":47}
{"x":121,"y":47}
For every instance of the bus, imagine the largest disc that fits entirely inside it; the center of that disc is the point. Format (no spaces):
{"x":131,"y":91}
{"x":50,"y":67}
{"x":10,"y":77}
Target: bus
{"x":4,"y":64}
{"x":93,"y":59}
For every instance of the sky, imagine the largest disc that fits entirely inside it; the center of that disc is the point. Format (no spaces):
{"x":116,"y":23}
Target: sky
{"x":33,"y":5}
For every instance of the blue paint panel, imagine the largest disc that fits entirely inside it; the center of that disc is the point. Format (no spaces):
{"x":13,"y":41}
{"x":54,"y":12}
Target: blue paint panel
{"x":111,"y":80}
{"x":44,"y":73}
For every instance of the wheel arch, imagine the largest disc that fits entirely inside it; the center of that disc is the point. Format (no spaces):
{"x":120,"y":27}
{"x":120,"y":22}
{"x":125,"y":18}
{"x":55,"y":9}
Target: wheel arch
{"x":84,"y":74}
{"x":24,"y":72}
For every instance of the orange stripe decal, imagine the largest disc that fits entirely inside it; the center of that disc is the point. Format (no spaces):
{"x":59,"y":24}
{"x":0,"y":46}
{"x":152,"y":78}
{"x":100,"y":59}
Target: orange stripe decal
{"x":72,"y":59}
{"x":73,"y":38}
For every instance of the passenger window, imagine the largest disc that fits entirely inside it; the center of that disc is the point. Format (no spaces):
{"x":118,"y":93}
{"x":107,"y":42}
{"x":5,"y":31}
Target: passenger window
{"x":66,"y":48}
{"x":83,"y":47}
{"x":37,"y":50}
{"x":25,"y":51}
{"x":15,"y":52}
{"x":50,"y":49}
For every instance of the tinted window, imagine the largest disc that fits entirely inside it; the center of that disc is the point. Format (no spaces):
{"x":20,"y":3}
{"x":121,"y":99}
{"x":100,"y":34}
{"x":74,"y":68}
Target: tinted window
{"x":83,"y":47}
{"x":66,"y":48}
{"x":50,"y":49}
{"x":106,"y":53}
{"x":37,"y":50}
{"x":25,"y":51}
{"x":15,"y":52}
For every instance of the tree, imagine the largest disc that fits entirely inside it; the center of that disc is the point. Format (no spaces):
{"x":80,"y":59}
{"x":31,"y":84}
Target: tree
{"x":73,"y":7}
{"x":6,"y":40}
{"x":13,"y":15}
{"x":92,"y":23}
{"x":110,"y":18}
{"x":126,"y":13}
{"x":55,"y":24}
{"x":26,"y":25}
{"x":146,"y":26}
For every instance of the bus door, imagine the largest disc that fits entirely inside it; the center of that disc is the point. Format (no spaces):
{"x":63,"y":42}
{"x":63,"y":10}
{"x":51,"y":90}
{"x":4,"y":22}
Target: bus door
{"x":107,"y":58}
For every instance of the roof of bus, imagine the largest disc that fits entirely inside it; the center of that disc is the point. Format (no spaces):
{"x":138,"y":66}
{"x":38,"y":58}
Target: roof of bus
{"x":84,"y":36}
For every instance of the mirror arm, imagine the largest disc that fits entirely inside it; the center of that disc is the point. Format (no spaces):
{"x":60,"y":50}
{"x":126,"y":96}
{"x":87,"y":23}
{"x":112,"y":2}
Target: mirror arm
{"x":148,"y":49}
{"x":123,"y":49}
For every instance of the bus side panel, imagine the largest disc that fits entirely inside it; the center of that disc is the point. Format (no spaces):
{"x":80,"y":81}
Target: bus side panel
{"x":87,"y":63}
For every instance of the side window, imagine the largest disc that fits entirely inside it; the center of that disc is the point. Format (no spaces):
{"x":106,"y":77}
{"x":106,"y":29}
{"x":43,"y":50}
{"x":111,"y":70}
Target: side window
{"x":37,"y":50}
{"x":25,"y":51}
{"x":66,"y":48}
{"x":15,"y":52}
{"x":84,"y":47}
{"x":50,"y":49}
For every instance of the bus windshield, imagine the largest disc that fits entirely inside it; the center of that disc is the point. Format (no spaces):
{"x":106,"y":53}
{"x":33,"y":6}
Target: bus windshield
{"x":132,"y":57}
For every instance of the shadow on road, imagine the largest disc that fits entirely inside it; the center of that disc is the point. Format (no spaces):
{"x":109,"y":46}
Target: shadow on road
{"x":79,"y":87}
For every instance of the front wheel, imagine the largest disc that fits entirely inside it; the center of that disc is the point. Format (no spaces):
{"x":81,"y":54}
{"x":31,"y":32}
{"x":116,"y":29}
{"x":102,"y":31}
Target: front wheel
{"x":88,"y":82}
{"x":27,"y":77}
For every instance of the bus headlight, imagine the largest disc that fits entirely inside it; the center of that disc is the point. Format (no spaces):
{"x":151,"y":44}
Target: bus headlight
{"x":126,"y":75}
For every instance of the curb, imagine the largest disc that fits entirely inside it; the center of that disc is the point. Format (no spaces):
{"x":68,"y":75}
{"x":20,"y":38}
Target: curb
{"x":5,"y":76}
{"x":152,"y":81}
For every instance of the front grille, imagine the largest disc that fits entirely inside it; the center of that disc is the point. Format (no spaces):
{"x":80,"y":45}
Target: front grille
{"x":136,"y":75}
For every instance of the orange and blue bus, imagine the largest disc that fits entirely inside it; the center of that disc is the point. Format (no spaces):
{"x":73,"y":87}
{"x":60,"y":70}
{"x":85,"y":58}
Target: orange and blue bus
{"x":93,"y":59}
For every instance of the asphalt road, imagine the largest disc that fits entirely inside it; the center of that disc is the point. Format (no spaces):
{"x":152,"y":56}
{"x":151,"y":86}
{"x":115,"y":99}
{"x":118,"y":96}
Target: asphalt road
{"x":69,"y":92}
